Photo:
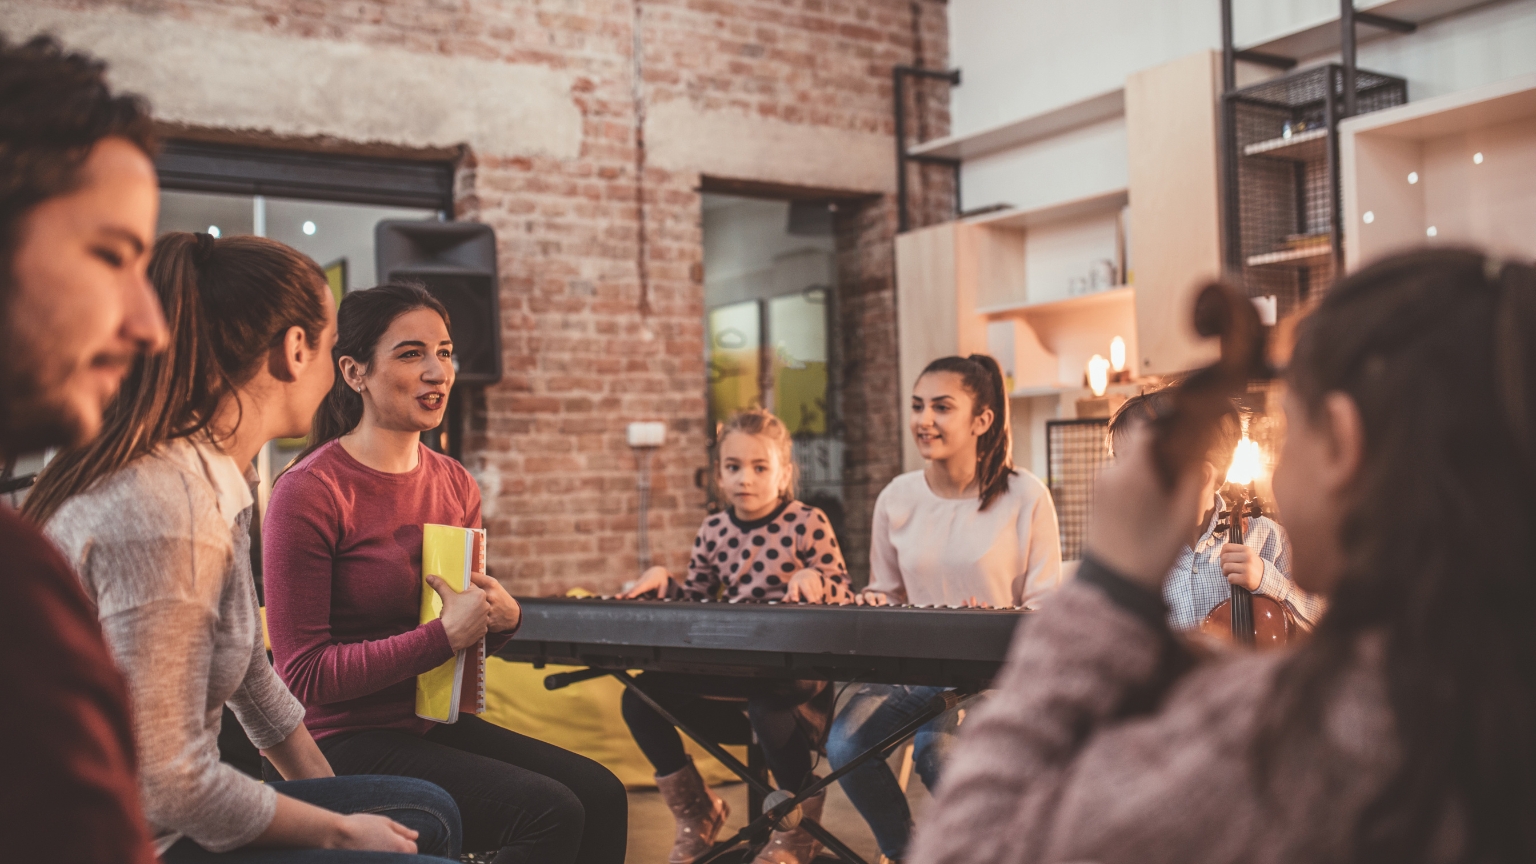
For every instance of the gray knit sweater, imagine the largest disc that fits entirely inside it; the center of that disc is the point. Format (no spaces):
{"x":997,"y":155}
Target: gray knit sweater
{"x":163,"y":547}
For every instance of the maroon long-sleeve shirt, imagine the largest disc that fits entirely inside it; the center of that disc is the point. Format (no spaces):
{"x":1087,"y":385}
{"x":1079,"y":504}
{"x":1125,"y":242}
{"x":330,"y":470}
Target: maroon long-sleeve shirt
{"x":341,"y":561}
{"x":69,"y":791}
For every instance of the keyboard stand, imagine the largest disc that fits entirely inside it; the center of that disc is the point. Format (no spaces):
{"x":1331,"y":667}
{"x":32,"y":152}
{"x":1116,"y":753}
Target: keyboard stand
{"x":777,"y":803}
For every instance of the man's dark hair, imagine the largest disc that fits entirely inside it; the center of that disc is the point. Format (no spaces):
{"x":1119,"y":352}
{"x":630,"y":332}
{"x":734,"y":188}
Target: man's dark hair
{"x":54,"y":107}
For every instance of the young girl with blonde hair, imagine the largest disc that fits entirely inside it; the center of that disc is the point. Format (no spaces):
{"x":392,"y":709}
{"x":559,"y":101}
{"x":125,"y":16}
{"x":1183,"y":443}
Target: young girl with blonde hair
{"x":765,"y":546}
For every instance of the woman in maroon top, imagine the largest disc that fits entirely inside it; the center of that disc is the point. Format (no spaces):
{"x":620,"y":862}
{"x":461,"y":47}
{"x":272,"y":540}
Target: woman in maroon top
{"x":342,"y":558}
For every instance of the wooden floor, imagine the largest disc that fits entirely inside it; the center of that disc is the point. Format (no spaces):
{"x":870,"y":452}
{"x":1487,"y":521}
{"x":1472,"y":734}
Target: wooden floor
{"x":650,"y":825}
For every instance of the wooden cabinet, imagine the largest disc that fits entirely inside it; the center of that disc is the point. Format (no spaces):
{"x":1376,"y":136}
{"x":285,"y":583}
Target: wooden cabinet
{"x":1458,"y":169}
{"x":944,"y":275}
{"x":1175,"y":222}
{"x":1017,"y":284}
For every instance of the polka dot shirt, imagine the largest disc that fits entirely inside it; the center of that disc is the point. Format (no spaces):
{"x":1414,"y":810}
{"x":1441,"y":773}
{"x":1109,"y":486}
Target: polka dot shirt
{"x":753,"y":561}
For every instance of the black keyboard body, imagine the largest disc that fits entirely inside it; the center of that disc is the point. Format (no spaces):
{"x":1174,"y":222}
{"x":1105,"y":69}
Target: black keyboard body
{"x":889,"y":645}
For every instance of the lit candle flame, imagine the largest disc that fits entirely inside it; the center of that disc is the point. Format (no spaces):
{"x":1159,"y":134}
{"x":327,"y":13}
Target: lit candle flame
{"x":1117,"y":354}
{"x":1247,"y":462}
{"x":1098,"y":374}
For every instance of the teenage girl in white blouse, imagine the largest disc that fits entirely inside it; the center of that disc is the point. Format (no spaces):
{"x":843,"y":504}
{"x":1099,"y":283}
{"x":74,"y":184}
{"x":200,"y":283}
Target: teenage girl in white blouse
{"x":967,"y":529}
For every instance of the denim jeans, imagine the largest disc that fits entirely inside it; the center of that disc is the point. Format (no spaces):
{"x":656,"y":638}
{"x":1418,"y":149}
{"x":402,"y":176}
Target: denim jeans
{"x":873,"y":712}
{"x":413,"y":803}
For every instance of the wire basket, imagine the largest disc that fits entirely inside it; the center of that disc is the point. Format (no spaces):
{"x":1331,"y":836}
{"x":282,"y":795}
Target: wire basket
{"x":1282,"y":138}
{"x":1075,"y":450}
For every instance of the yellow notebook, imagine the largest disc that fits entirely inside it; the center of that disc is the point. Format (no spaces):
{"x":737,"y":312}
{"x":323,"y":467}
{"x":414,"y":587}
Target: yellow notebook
{"x":457,"y":686}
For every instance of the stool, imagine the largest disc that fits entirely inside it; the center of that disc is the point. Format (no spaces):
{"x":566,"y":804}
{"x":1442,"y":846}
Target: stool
{"x":785,"y":804}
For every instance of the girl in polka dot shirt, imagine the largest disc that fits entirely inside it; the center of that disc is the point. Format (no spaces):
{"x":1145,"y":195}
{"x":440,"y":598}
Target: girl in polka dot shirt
{"x":766,"y":546}
{"x":789,"y":554}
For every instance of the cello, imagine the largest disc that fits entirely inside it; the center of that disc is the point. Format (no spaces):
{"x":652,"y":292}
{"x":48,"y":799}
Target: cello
{"x":1248,"y":619}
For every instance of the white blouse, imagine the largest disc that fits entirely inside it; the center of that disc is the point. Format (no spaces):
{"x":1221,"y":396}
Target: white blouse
{"x":932,"y":551}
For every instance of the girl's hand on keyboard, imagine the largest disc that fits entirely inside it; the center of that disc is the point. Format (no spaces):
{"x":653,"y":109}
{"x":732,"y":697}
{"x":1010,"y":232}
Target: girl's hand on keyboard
{"x":807,"y":586}
{"x":872,"y":598}
{"x":656,"y":580}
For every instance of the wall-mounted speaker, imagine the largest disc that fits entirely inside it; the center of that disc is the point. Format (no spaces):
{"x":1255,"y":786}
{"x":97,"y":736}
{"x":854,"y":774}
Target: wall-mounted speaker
{"x":456,"y":262}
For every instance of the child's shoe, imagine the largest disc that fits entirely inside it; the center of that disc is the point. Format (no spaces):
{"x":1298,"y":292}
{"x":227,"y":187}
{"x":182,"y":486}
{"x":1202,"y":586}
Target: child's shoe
{"x":795,"y":846}
{"x":699,"y":813}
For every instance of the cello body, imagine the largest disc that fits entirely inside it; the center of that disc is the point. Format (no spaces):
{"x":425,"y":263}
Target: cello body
{"x":1245,"y":618}
{"x":1273,"y":624}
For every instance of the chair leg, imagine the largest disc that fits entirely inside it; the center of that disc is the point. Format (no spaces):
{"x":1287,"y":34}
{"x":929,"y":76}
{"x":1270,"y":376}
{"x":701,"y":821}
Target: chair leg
{"x":757,"y":766}
{"x":903,"y":777}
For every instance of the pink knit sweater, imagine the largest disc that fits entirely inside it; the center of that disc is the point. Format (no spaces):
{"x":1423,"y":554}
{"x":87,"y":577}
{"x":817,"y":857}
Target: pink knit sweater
{"x":1061,"y":766}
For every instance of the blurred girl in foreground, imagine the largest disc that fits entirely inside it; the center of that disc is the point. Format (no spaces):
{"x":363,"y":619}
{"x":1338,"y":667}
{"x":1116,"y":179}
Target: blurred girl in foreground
{"x":1401,"y":731}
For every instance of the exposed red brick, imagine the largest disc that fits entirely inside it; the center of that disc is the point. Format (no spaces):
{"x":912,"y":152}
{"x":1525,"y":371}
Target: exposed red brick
{"x":581,"y":360}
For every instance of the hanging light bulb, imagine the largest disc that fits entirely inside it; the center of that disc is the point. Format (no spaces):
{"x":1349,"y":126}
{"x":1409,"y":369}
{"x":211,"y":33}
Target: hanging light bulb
{"x":1117,"y":354}
{"x":1098,"y":374}
{"x":1247,"y":462}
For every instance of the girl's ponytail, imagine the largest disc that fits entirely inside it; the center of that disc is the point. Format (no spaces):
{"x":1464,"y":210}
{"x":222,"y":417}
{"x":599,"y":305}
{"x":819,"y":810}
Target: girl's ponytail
{"x":983,"y":379}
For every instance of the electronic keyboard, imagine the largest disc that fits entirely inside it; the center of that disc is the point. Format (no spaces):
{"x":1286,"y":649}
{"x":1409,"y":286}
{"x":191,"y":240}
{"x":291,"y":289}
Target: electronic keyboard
{"x":950,"y":647}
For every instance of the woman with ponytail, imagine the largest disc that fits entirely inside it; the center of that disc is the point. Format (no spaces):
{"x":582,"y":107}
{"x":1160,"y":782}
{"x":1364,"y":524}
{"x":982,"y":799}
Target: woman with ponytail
{"x":155,"y":514}
{"x":967,"y":529}
{"x":342,"y":552}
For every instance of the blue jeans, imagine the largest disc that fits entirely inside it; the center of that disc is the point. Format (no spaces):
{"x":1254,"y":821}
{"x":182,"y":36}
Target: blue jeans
{"x":872,"y":713}
{"x":416,"y":804}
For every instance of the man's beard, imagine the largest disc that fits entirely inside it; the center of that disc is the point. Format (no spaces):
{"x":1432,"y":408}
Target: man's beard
{"x":33,"y":414}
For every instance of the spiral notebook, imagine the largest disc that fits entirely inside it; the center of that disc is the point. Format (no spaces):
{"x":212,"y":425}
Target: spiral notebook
{"x":458,"y":686}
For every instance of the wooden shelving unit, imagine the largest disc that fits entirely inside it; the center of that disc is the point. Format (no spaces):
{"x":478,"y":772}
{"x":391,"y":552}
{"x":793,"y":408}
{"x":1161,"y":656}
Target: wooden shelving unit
{"x":1474,"y":157}
{"x":1321,"y":35}
{"x":1084,"y":112}
{"x":1301,"y":147}
{"x":999,"y":283}
{"x":1118,"y":295}
{"x":1293,"y":257}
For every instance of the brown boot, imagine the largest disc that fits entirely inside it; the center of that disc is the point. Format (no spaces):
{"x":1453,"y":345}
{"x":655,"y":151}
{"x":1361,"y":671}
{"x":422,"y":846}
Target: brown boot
{"x":699,"y":813}
{"x":795,"y":846}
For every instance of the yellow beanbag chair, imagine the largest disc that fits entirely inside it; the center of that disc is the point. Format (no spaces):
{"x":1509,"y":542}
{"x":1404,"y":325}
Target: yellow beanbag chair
{"x":583,"y":718}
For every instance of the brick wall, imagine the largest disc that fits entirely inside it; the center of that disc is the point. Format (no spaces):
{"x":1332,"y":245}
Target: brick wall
{"x":601,"y":309}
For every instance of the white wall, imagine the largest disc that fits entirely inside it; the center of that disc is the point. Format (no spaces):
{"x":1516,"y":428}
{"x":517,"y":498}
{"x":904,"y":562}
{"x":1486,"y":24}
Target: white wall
{"x":1022,"y":57}
{"x":1076,"y":164}
{"x":1478,"y":47}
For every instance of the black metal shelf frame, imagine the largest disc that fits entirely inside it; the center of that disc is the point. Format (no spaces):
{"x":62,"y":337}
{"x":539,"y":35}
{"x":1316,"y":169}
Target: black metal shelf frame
{"x":1280,"y":198}
{"x":899,"y":76}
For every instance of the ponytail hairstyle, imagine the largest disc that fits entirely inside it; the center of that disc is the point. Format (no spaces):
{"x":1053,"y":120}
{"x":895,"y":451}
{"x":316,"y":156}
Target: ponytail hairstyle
{"x":756,"y":421}
{"x":982,"y":378}
{"x":228,"y":302}
{"x":361,"y":321}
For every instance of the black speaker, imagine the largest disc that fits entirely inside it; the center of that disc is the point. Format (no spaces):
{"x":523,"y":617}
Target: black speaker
{"x":456,"y":261}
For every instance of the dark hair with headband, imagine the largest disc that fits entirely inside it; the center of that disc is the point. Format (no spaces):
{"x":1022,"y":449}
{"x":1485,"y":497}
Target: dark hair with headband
{"x":228,"y":303}
{"x":982,"y":378}
{"x":1437,"y":349}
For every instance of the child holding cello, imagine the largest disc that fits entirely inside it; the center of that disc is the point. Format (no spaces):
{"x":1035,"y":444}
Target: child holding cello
{"x":765,"y":546}
{"x":1206,"y":566}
